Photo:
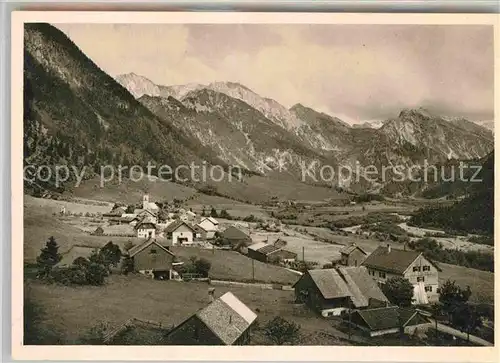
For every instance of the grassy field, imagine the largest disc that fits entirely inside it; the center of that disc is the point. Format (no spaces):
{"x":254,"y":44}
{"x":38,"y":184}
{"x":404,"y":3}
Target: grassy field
{"x":40,"y":224}
{"x":72,"y":311}
{"x":254,"y":189}
{"x":482,"y":283}
{"x":231,"y":265}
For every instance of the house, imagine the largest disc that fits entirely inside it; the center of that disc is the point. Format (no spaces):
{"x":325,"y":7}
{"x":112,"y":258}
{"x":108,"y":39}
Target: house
{"x":188,"y":216}
{"x":145,"y":229}
{"x":387,"y":262}
{"x":352,"y":255}
{"x":180,"y":232}
{"x":147,"y":205}
{"x":143,"y":213}
{"x":265,"y":252}
{"x":115,"y":212}
{"x":75,"y":251}
{"x":225,"y":321}
{"x":390,"y":320}
{"x":130,"y":219}
{"x":210,"y":226}
{"x":236,"y":238}
{"x":151,"y":258}
{"x":334,"y":291}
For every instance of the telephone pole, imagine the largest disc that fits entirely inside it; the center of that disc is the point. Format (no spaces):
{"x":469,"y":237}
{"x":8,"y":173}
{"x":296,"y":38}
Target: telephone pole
{"x":349,"y":307}
{"x":253,"y":270}
{"x":303,"y":254}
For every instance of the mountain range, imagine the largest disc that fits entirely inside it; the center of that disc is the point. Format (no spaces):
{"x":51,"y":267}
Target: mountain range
{"x":75,"y":112}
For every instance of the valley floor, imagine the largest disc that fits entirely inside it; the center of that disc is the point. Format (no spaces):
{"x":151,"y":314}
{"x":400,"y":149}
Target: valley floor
{"x":72,"y":311}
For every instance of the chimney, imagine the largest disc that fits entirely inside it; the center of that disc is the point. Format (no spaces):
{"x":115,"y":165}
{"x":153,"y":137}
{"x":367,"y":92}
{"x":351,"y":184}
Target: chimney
{"x":388,"y":248}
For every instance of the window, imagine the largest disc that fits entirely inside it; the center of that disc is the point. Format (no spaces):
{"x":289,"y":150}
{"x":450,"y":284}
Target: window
{"x":416,"y":268}
{"x":420,"y":279}
{"x":426,"y":268}
{"x":153,"y":251}
{"x":428,"y":288}
{"x":381,"y":274}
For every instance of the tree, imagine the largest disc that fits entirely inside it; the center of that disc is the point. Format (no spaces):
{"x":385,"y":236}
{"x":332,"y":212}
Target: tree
{"x":399,"y":291}
{"x":202,"y":266}
{"x":281,"y":331}
{"x":111,"y":254}
{"x":48,"y":257}
{"x":452,"y":297}
{"x":224,"y":214}
{"x":466,"y":318}
{"x":127,"y":265}
{"x":213,"y":213}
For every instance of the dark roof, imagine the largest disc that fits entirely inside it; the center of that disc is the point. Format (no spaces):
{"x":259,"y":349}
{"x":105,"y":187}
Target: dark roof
{"x":149,"y":225}
{"x":386,"y":317}
{"x":329,"y":283}
{"x":227,"y":318}
{"x":394,"y":261}
{"x":267,"y":249}
{"x":136,"y":249}
{"x":234,"y":233}
{"x":174,"y":225}
{"x":347,"y":250}
{"x":362,"y":285}
{"x":353,"y":282}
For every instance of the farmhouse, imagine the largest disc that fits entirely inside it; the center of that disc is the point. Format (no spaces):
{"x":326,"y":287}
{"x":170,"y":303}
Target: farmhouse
{"x":352,"y":255}
{"x":209,"y":224}
{"x":264,"y":252}
{"x":386,"y":262}
{"x":188,"y":216}
{"x":147,"y":205}
{"x":145,"y":229}
{"x":144,"y":213}
{"x":334,"y":291}
{"x":225,"y":321}
{"x":180,"y":232}
{"x":151,"y":258}
{"x":236,"y":238}
{"x":115,"y":212}
{"x":390,"y":320}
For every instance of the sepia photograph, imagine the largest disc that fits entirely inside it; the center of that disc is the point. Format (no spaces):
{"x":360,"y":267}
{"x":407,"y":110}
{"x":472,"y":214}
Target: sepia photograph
{"x":255,"y":183}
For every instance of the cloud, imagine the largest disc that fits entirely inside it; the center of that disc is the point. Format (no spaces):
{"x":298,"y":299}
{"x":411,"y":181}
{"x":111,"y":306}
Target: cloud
{"x":361,"y":72}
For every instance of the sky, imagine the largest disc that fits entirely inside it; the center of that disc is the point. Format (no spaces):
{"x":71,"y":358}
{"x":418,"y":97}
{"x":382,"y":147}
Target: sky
{"x":355,"y":72}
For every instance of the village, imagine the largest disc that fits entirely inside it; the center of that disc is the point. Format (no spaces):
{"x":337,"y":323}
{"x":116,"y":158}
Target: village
{"x":187,"y":246}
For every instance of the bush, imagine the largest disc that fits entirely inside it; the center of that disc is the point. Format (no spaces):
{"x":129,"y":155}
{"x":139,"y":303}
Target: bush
{"x":202,"y":266}
{"x":281,"y":331}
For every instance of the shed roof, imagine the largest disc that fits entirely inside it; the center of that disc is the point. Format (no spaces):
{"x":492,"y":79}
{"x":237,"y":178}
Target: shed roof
{"x":362,"y":285}
{"x":386,"y":317}
{"x":227,"y":317}
{"x":329,"y":283}
{"x":234,"y":233}
{"x":257,"y":246}
{"x":352,"y":282}
{"x":347,"y":250}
